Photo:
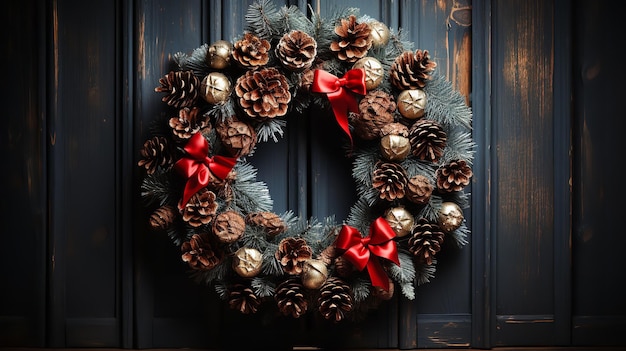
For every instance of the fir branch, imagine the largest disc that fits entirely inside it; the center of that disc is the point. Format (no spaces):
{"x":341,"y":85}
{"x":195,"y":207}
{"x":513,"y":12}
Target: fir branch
{"x":293,"y":19}
{"x":459,"y":146}
{"x":271,"y":265}
{"x":404,"y":274}
{"x":445,"y":104}
{"x":361,"y":289}
{"x":261,"y":18}
{"x":425,"y":272}
{"x":216,"y":273}
{"x":460,"y":235}
{"x":270,"y":128}
{"x":263,"y":287}
{"x":195,"y":62}
{"x":250,"y":195}
{"x":157,"y":189}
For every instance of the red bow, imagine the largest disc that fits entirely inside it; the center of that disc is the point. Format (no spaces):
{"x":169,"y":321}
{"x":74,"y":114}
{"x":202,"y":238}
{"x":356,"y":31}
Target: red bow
{"x":339,"y":93}
{"x":198,"y":167}
{"x":378,"y":243}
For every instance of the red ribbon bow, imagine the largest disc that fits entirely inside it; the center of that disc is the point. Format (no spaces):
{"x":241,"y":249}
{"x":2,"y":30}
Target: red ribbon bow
{"x":360,"y":249}
{"x":339,"y":92}
{"x":198,"y":167}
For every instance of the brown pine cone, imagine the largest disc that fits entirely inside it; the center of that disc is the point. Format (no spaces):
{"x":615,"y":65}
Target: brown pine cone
{"x":292,"y":253}
{"x":453,"y":176}
{"x":411,"y":70}
{"x":335,"y":299}
{"x":229,"y":226}
{"x":376,"y":110}
{"x":271,"y":223}
{"x":296,"y":50}
{"x":419,"y":189}
{"x":156,"y":153}
{"x":200,"y":209}
{"x":188,"y":122}
{"x":251,"y":51}
{"x":291,"y":297}
{"x":263,"y":93}
{"x":181,"y":88}
{"x":238,"y":137}
{"x":200,"y":253}
{"x":243,"y":299}
{"x":425,"y":241}
{"x":343,"y":267}
{"x":390,"y":179}
{"x":163,"y":217}
{"x":354,"y":40}
{"x":428,"y":140}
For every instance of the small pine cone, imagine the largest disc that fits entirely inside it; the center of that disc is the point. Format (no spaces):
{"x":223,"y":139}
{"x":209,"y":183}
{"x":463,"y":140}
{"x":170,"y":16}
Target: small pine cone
{"x":296,"y":50}
{"x":428,"y":140}
{"x":229,"y":226}
{"x":156,"y":153}
{"x":328,"y":255}
{"x":188,"y":122}
{"x":335,"y":299}
{"x":243,"y":299}
{"x":453,"y":176}
{"x":200,"y":253}
{"x":263,"y":93}
{"x":390,"y":179}
{"x":292,"y":253}
{"x":238,"y":137}
{"x":200,"y":209}
{"x":291,"y":297}
{"x":271,"y":223}
{"x":251,"y":51}
{"x":376,"y":110}
{"x":425,"y":241}
{"x":411,"y":70}
{"x":181,"y":88}
{"x":419,"y":189}
{"x":343,"y":267}
{"x":354,"y":40}
{"x":163,"y":217}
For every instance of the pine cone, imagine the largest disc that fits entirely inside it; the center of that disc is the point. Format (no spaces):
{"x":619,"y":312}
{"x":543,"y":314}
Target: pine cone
{"x":335,"y":300}
{"x":419,"y":189}
{"x":181,"y":88}
{"x":243,"y":299}
{"x":296,"y":50}
{"x":428,"y":140}
{"x":263,"y":93}
{"x":411,"y":70}
{"x":292,"y":253}
{"x":354,"y":40}
{"x":343,"y":267}
{"x":238,"y":137}
{"x":229,"y":226}
{"x":156,"y":153}
{"x":200,"y":209}
{"x":291,"y":297}
{"x":200,"y":253}
{"x":188,"y":122}
{"x":376,"y":110}
{"x":251,"y":51}
{"x":163,"y":217}
{"x":425,"y":241}
{"x":390,"y":179}
{"x":269,"y":221}
{"x":453,"y":176}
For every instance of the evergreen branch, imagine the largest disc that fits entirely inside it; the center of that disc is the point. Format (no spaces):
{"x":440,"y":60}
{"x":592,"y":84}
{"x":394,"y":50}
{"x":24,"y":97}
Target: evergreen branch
{"x":261,"y":18}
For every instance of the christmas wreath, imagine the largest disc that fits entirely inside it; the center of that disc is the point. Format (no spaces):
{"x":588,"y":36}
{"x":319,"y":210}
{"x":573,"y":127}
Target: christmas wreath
{"x":407,"y":133}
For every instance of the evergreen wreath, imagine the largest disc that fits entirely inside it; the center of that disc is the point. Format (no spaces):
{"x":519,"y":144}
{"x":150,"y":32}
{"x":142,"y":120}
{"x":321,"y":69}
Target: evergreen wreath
{"x":408,"y":134}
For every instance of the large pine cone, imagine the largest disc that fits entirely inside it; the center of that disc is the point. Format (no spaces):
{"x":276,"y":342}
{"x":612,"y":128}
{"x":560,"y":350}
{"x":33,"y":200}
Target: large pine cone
{"x":425,"y":241}
{"x":292,"y":253}
{"x":156,"y":153}
{"x":243,"y":299}
{"x":390,"y":179}
{"x":419,"y":189}
{"x":188,"y":122}
{"x":271,"y":223}
{"x":411,"y":70}
{"x":263,"y":93}
{"x":229,"y":226}
{"x":251,"y":51}
{"x":181,"y":88}
{"x":428,"y":140}
{"x":453,"y":176}
{"x":354,"y":40}
{"x":296,"y":50}
{"x":238,"y":137}
{"x":200,"y":209}
{"x":163,"y":217}
{"x":335,"y":299}
{"x":200,"y":253}
{"x":291,"y":297}
{"x":376,"y":110}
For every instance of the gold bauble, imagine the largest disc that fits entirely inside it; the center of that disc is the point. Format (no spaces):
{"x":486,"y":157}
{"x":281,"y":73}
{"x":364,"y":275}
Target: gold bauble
{"x":215,"y":88}
{"x":219,"y":54}
{"x":247,"y":262}
{"x":374,"y":71}
{"x":314,"y":274}
{"x":400,"y":220}
{"x":379,"y":33}
{"x":395,"y":147}
{"x":450,"y":216}
{"x":411,"y":103}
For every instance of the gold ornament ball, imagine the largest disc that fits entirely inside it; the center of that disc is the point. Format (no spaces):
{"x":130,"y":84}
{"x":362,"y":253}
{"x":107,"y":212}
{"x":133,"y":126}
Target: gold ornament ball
{"x":450,"y":216}
{"x":374,"y":71}
{"x":215,"y":87}
{"x":247,"y":262}
{"x":379,"y":33}
{"x":411,"y":103}
{"x":395,"y":147}
{"x":219,"y":53}
{"x":400,"y":220}
{"x":314,"y":274}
